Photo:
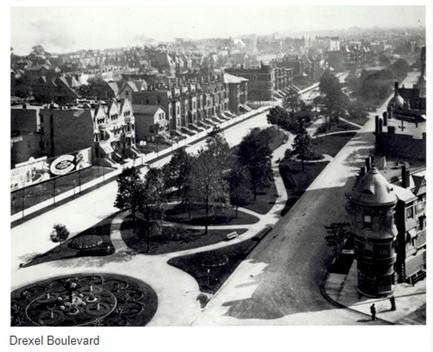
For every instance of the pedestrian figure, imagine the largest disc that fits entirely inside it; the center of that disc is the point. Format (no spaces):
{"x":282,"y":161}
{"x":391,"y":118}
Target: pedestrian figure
{"x":392,"y":300}
{"x":373,"y":312}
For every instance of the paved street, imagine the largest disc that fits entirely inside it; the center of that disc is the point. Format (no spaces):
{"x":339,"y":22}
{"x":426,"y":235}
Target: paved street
{"x":279,"y":283}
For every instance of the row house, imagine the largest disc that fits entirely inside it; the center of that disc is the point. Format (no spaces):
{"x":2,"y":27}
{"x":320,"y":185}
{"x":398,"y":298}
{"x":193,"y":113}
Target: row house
{"x":189,"y":106}
{"x":283,"y":78}
{"x":109,"y":129}
{"x":238,"y":92}
{"x":59,"y":90}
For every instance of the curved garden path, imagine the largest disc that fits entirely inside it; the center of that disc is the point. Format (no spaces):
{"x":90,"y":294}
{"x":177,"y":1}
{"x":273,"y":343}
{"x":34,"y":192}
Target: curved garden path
{"x":177,"y":291}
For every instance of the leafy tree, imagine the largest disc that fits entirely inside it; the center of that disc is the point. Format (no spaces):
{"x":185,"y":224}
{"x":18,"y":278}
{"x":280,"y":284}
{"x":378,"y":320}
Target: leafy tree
{"x":277,"y":115}
{"x":255,"y":154}
{"x":220,"y":151}
{"x":329,"y":84}
{"x":335,"y":100}
{"x":384,"y":60}
{"x":292,"y":102}
{"x":129,"y":192}
{"x":400,"y":68}
{"x":60,"y":233}
{"x":177,"y":172}
{"x":238,"y":183}
{"x":302,"y":144}
{"x":39,"y":50}
{"x":151,"y":205}
{"x":357,"y":109}
{"x":208,"y":186}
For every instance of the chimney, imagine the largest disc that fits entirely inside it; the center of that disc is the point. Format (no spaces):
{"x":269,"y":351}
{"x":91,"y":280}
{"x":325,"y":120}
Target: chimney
{"x":385,"y":118}
{"x":368,"y":163}
{"x":405,"y":177}
{"x":380,"y":125}
{"x":376,"y":124}
{"x":395,"y":88}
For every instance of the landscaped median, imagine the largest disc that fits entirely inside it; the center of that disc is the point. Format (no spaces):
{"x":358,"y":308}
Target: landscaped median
{"x":212,"y":268}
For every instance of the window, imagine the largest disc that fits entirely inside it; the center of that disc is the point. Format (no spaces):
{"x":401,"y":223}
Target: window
{"x":420,"y":206}
{"x":367,"y":219}
{"x":409,"y":212}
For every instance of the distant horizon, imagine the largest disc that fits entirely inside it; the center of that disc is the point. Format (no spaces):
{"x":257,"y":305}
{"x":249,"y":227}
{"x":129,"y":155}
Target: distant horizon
{"x":90,"y":28}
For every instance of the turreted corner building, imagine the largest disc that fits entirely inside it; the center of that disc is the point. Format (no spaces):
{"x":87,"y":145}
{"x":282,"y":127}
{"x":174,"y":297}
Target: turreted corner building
{"x":373,"y":204}
{"x":389,"y":226}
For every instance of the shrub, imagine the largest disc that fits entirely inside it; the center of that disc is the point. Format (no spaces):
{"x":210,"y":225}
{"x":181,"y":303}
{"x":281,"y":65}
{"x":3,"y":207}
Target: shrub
{"x":86,"y":242}
{"x":60,"y":233}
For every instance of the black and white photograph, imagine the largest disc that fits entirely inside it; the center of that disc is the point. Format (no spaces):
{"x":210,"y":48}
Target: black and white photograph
{"x":246,"y":167}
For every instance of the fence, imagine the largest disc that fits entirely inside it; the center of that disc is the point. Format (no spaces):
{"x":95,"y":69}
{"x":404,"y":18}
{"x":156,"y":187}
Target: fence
{"x":36,"y":198}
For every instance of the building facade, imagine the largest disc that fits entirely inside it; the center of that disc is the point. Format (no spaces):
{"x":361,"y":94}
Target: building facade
{"x":389,"y":226}
{"x":261,"y":81}
{"x":109,"y":129}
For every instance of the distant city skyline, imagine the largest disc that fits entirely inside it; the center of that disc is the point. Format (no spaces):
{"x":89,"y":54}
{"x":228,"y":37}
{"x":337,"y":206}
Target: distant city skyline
{"x":65,"y":29}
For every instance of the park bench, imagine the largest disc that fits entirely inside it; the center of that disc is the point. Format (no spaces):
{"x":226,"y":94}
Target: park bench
{"x":231,"y":235}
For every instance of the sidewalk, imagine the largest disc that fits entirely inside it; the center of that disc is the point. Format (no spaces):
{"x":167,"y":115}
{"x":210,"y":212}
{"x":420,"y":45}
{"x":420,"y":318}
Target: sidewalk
{"x":409,"y":299}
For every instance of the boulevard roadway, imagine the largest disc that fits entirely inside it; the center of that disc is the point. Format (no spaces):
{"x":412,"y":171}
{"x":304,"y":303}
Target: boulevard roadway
{"x":279,"y":282}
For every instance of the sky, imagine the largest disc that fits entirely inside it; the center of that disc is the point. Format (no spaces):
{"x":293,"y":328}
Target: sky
{"x":62,"y":29}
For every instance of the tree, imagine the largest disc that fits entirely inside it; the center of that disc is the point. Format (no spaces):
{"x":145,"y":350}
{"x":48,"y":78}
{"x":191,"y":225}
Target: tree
{"x":238,"y":183}
{"x":59,"y":234}
{"x":151,"y":206}
{"x":292,"y":102}
{"x":302,"y":144}
{"x":400,"y":68}
{"x":38,"y":50}
{"x":277,"y":115}
{"x":177,"y":172}
{"x":208,"y":186}
{"x":220,"y":151}
{"x":129,"y":192}
{"x":335,"y":100}
{"x":255,"y":154}
{"x":384,"y":60}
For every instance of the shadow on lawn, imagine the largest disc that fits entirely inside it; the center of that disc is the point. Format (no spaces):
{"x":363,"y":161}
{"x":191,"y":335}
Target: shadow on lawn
{"x":65,"y":250}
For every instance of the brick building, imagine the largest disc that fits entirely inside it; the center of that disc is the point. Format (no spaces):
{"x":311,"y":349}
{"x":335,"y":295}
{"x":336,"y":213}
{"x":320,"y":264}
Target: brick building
{"x":109,"y":129}
{"x":389,"y":225}
{"x":261,"y":81}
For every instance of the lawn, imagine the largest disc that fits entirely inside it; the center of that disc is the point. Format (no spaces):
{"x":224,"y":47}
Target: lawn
{"x":297,"y":181}
{"x":265,"y":200}
{"x":225,"y":216}
{"x":341,"y":126}
{"x":212,"y":268}
{"x":279,"y":139}
{"x":331,"y":145}
{"x":172,"y":239}
{"x":358,"y":120}
{"x":67,"y":249}
{"x":32,"y":195}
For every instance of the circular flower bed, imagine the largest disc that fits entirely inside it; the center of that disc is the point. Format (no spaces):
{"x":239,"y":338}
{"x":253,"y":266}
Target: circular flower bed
{"x":86,"y":242}
{"x":84,"y":300}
